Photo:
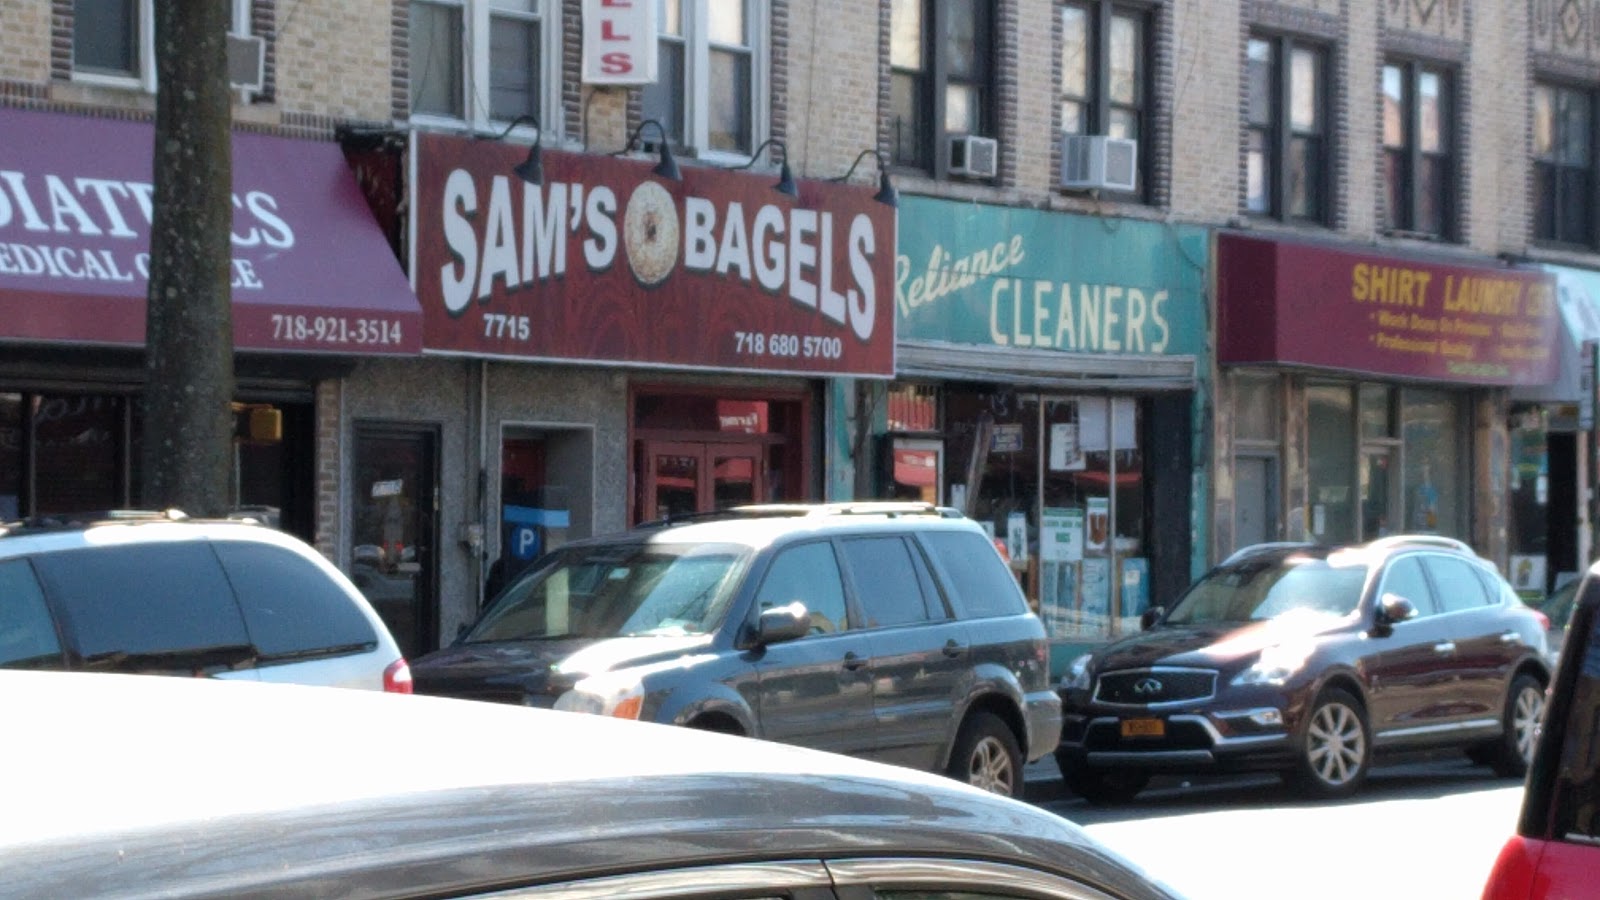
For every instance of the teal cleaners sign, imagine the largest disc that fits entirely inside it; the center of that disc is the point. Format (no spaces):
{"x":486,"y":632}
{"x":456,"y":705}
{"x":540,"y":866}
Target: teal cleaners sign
{"x":968,"y":273}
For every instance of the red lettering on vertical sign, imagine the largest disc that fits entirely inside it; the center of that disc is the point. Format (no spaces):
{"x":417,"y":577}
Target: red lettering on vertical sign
{"x":618,"y":63}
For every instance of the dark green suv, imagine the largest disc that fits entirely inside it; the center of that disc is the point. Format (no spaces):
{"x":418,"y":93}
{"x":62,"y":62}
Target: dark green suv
{"x":890,"y":631}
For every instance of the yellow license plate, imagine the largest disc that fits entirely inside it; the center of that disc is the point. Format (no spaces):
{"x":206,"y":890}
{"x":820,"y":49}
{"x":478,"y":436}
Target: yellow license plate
{"x":1145,"y":728}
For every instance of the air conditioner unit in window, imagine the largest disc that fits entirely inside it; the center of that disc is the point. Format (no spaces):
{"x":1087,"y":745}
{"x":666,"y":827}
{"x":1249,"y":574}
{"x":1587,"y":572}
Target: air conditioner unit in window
{"x":247,"y":62}
{"x":1094,"y":162}
{"x":973,"y":156}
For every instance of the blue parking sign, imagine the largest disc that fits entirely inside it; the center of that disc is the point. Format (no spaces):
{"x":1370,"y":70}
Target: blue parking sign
{"x":525,"y":542}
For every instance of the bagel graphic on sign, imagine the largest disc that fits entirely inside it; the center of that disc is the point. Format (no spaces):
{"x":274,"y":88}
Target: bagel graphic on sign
{"x":650,"y":233}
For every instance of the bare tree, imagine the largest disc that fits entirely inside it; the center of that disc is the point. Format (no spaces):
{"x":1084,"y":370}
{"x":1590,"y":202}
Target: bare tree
{"x":188,"y":419}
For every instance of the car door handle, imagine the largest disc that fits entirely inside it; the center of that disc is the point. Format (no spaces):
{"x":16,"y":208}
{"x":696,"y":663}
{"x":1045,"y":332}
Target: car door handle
{"x":1510,"y":637}
{"x":852,"y":662}
{"x":1444,"y":648}
{"x":953,"y":650}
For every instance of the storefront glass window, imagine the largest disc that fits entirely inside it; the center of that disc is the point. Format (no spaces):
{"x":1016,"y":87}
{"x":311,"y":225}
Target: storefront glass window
{"x":1377,"y":418}
{"x":1256,"y":406}
{"x":1060,"y":480}
{"x":78,"y":442}
{"x":1331,"y":440}
{"x":1436,"y":495}
{"x":11,"y":458}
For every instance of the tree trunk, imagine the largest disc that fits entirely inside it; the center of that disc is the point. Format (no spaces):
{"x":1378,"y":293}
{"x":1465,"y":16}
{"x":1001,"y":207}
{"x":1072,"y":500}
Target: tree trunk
{"x":188,"y":418}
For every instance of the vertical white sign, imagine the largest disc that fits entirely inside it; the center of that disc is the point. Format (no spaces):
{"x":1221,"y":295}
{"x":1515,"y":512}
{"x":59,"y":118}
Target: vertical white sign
{"x":619,"y":41}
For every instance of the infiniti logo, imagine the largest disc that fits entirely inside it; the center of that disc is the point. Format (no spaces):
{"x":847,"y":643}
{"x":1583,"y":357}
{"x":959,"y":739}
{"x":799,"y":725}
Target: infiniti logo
{"x":1146,"y":687}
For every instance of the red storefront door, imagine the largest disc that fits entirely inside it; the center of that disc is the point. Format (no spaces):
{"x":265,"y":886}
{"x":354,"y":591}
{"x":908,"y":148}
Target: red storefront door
{"x":683,"y":477}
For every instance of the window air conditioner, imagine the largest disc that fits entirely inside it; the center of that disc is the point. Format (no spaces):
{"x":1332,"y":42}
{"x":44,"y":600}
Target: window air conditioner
{"x":973,"y":156}
{"x":247,"y":62}
{"x":1094,"y":162}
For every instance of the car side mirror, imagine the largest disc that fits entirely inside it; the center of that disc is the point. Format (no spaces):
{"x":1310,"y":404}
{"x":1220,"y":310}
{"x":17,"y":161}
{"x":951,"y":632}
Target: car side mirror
{"x":1149,"y":618}
{"x":782,"y":623}
{"x":1394,"y":608}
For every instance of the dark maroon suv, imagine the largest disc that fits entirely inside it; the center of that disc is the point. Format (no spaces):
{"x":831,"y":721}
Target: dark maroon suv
{"x":1309,"y":661}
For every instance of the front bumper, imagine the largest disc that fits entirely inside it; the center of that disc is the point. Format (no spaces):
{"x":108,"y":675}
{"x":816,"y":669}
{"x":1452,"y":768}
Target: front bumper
{"x":1190,"y":741}
{"x":1043,"y":712}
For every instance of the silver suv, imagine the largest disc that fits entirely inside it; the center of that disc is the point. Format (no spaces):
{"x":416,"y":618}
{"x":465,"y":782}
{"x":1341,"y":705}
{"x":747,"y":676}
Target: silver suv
{"x":159,"y":593}
{"x":890,"y":631}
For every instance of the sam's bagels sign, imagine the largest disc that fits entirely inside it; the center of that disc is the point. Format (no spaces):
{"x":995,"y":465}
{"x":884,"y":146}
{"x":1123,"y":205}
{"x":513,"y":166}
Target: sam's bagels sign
{"x":607,"y":262}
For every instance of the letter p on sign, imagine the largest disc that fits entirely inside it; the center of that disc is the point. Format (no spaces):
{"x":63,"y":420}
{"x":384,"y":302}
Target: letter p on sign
{"x":619,"y":41}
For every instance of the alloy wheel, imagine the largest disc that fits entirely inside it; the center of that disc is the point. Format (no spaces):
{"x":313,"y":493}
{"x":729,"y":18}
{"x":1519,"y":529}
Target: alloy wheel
{"x":1335,"y":744}
{"x":1526,"y":712}
{"x":989,"y":767}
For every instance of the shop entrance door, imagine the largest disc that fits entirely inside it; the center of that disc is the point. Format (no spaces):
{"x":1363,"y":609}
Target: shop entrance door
{"x":683,"y":477}
{"x":1255,"y":500}
{"x":392,"y":554}
{"x":1380,"y":493}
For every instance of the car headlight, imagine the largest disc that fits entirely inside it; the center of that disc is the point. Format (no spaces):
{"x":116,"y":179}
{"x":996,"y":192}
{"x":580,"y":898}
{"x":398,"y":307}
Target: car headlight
{"x":618,"y":694}
{"x":1276,"y":665}
{"x":1077,"y":677}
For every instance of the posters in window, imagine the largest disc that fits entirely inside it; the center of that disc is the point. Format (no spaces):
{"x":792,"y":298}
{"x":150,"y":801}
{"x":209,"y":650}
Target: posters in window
{"x":1097,"y":527}
{"x":1017,"y":536}
{"x":1096,"y":589}
{"x":1066,"y":454}
{"x":1061,"y":534}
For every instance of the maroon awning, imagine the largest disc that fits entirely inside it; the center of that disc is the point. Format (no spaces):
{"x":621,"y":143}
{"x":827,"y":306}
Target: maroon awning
{"x":312,"y":273}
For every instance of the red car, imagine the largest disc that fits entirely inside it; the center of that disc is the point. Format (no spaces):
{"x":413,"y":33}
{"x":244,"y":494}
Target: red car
{"x":1556,"y":851}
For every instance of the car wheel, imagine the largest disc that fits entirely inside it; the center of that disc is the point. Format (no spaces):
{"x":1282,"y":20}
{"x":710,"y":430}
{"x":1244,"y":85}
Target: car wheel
{"x":1524,"y":708}
{"x":1335,"y":750}
{"x":986,"y":756}
{"x":1106,"y":788}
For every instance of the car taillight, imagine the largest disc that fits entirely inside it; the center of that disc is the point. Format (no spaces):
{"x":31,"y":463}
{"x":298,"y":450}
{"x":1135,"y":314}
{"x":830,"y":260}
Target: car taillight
{"x":397,"y":678}
{"x":1544,"y":620}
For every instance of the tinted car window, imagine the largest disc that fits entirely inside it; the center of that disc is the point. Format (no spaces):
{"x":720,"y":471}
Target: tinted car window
{"x":27,"y":633}
{"x":292,"y":609}
{"x":1457,"y":586}
{"x":1575,"y":791}
{"x":983,"y":586}
{"x":808,"y":573}
{"x":121,"y":603}
{"x":1404,"y":577}
{"x":886,"y":581}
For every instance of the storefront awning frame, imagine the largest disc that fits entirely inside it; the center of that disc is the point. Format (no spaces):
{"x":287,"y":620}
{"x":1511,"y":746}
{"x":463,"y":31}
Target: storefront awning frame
{"x":1047,"y":369}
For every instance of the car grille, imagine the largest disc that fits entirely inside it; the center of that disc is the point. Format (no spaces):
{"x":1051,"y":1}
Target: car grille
{"x":1144,"y":687}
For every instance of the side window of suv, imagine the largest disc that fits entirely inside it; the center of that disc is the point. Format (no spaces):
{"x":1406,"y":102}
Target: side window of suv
{"x":888,"y":584}
{"x":808,"y":573}
{"x":983,"y":586}
{"x":1459,"y":588}
{"x":1404,"y":577}
{"x":160,"y":607}
{"x":292,"y":609}
{"x":27,"y":632}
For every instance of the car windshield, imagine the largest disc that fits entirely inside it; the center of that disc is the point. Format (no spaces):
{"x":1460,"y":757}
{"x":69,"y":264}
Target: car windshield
{"x":1254,"y":590}
{"x":617,"y":590}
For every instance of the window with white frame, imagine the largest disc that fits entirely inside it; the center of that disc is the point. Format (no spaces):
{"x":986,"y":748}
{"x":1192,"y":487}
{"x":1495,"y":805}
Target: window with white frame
{"x":709,"y":93}
{"x":111,"y":40}
{"x":482,"y":61}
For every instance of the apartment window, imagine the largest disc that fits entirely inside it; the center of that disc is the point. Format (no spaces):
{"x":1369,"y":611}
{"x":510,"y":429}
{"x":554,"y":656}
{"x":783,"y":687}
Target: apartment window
{"x":112,"y":41}
{"x":1105,"y":70}
{"x":1563,"y":164}
{"x":1286,"y":168}
{"x":507,"y":77}
{"x":710,"y":86}
{"x":1418,"y":143}
{"x":941,"y":60}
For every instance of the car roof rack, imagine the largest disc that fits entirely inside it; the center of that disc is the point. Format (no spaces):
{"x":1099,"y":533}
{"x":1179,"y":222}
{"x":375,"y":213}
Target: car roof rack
{"x":887,"y":508}
{"x":88,"y":518}
{"x":1253,"y":549}
{"x":1423,"y":540}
